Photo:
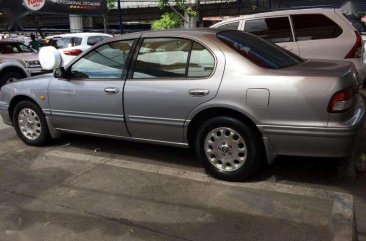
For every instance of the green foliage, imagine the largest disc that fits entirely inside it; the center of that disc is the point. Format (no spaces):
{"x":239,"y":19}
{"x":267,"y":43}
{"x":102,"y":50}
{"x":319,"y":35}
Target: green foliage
{"x":180,"y":5}
{"x":111,"y":3}
{"x":167,"y":21}
{"x":172,"y":19}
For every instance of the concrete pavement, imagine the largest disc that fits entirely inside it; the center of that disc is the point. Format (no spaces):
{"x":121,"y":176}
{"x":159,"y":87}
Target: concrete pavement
{"x":84,"y":188}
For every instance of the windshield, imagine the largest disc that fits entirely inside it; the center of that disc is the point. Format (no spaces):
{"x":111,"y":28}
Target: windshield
{"x":14,"y":48}
{"x":259,"y":51}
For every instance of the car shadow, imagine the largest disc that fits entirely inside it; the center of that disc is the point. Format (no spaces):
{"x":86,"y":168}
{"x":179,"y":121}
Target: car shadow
{"x":309,"y":170}
{"x":320,"y":171}
{"x":116,"y":148}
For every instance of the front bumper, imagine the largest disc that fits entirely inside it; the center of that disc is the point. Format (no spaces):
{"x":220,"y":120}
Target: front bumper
{"x":35,"y":70}
{"x":4,"y":113}
{"x":317,"y":141}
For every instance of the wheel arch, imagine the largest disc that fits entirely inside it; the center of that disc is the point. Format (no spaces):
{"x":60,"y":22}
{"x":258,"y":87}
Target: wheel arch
{"x":15,"y":100}
{"x":211,"y":112}
{"x":15,"y":69}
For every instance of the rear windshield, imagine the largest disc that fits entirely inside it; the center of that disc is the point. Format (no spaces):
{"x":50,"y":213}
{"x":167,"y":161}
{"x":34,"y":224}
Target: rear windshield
{"x":259,"y":51}
{"x":67,"y":42}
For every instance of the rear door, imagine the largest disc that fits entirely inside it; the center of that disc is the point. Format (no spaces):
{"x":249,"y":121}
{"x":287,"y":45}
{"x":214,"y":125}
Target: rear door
{"x":170,"y":77}
{"x":276,"y":30}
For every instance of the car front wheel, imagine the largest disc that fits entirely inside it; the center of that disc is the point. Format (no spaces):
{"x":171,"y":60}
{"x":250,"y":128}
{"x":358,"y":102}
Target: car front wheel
{"x":30,"y":123}
{"x":229,"y":149}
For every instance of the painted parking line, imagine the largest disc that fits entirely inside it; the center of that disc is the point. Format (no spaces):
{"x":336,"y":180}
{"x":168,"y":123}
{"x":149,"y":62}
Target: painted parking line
{"x":342,"y":220}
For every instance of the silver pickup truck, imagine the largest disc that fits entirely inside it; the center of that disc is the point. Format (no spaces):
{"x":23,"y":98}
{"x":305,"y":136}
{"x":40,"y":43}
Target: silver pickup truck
{"x":17,"y":61}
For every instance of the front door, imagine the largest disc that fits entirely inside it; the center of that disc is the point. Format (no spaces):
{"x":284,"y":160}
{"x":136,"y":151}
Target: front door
{"x":170,"y":78}
{"x":91,"y":98}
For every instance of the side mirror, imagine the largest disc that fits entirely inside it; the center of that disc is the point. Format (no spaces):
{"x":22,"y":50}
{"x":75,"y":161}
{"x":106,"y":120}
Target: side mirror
{"x":60,"y":73}
{"x":50,"y":58}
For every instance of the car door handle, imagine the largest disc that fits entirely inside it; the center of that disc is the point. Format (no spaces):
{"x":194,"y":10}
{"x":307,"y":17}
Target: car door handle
{"x":111,"y":90}
{"x":198,"y":93}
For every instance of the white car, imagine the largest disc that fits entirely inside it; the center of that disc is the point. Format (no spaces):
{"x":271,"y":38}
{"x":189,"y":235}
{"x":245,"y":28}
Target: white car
{"x":318,"y":33}
{"x":73,"y":44}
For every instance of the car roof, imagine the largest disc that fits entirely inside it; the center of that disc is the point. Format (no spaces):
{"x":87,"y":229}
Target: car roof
{"x":174,"y":32}
{"x":77,"y":35}
{"x":283,"y":12}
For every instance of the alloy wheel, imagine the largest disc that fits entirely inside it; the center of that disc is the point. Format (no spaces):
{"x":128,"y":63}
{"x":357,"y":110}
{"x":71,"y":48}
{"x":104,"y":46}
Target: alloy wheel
{"x":29,"y":124}
{"x":225,"y":149}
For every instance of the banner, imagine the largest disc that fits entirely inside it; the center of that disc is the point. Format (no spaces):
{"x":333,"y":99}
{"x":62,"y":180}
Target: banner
{"x":80,"y":7}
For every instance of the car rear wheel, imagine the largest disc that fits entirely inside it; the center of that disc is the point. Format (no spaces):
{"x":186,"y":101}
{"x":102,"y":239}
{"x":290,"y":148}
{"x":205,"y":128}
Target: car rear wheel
{"x":229,"y":149}
{"x":9,"y":77}
{"x":30,"y":124}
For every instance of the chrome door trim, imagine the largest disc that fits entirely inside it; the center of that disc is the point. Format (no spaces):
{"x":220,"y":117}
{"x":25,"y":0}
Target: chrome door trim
{"x":87,"y":115}
{"x":155,"y":120}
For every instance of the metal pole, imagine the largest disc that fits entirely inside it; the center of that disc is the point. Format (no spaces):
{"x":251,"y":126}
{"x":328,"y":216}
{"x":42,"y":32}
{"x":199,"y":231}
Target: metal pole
{"x":105,"y":21}
{"x":120,"y":16}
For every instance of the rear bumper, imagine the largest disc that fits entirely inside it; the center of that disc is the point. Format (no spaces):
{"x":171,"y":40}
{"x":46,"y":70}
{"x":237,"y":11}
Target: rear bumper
{"x":316,"y":141}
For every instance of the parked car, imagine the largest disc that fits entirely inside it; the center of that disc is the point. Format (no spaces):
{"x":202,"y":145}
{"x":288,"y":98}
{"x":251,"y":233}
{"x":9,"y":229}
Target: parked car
{"x":310,"y":33}
{"x":236,"y":99}
{"x":74,"y":44}
{"x":361,"y":28}
{"x":17,"y":61}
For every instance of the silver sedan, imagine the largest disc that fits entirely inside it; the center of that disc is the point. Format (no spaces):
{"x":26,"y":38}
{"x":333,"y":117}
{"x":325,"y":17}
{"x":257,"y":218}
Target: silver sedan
{"x":237,"y":100}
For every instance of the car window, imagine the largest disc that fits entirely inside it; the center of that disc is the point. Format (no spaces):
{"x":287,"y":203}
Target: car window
{"x":162,"y":58}
{"x":274,"y":30}
{"x":314,"y":26}
{"x":201,"y":63}
{"x":356,"y":23}
{"x":106,"y":61}
{"x":259,"y":51}
{"x":232,"y":25}
{"x":93,"y":40}
{"x":68,"y":42}
{"x":14,"y":48}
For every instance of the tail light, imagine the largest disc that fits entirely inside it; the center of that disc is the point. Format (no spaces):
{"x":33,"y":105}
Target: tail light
{"x":342,"y":100}
{"x":356,"y":51}
{"x":73,"y":52}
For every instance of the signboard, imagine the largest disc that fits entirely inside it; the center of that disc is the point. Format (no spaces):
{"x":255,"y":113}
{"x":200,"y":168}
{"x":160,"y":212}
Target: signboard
{"x":80,"y":7}
{"x":34,"y":5}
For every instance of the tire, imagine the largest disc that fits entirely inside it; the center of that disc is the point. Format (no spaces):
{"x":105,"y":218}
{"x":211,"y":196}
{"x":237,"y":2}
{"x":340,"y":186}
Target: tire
{"x":235,"y":155}
{"x":30,"y":124}
{"x":9,"y":77}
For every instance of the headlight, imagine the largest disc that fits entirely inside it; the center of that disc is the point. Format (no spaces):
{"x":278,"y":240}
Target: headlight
{"x":32,"y":63}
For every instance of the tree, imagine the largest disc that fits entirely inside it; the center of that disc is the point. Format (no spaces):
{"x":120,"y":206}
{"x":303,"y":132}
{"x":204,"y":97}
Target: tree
{"x":167,"y":21}
{"x":175,"y":17}
{"x":111,"y":3}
